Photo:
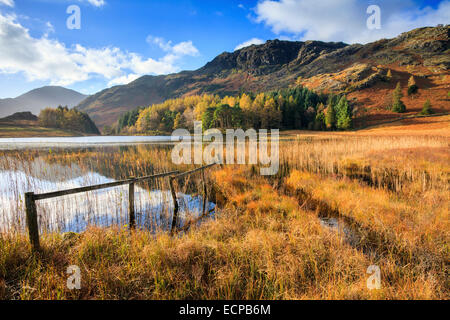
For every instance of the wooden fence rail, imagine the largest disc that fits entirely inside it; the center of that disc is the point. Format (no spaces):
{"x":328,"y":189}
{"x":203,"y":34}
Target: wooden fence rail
{"x":31,"y":198}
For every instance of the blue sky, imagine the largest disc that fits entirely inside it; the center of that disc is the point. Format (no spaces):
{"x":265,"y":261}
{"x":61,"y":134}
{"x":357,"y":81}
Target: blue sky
{"x":122,"y":40}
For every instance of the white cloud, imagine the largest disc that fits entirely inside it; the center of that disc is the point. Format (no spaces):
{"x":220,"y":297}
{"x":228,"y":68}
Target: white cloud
{"x":185,"y":49}
{"x":160,"y":42}
{"x":180,"y":49}
{"x":97,"y":3}
{"x":50,"y":60}
{"x":345,"y":20}
{"x":9,"y":3}
{"x":249,"y":43}
{"x":124,"y":79}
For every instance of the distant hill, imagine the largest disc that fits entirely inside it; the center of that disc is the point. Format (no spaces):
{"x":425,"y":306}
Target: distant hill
{"x":321,"y":66}
{"x":18,"y":116}
{"x":36,"y":100}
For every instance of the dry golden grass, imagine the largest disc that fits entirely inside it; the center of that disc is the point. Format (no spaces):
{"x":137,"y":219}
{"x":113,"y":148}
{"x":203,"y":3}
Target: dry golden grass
{"x":14,"y":131}
{"x":263,"y":245}
{"x":267,"y":241}
{"x":433,"y":125}
{"x":436,"y":126}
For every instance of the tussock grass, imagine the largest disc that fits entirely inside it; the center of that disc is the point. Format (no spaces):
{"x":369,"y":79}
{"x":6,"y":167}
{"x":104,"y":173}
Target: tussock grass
{"x":394,"y":162}
{"x":267,"y":241}
{"x":250,"y":256}
{"x":262,"y":245}
{"x":409,"y":237}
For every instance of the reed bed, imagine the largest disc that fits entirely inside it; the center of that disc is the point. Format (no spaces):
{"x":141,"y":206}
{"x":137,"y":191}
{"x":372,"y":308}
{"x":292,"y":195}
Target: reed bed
{"x":391,"y":162}
{"x":52,"y":170}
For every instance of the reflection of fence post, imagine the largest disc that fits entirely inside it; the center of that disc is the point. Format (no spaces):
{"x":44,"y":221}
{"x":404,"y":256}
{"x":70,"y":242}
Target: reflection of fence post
{"x":205,"y":193}
{"x":175,"y":204}
{"x":131,"y":205}
{"x":32,"y":222}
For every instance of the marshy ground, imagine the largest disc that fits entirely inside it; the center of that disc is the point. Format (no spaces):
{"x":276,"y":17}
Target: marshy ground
{"x":340,"y":203}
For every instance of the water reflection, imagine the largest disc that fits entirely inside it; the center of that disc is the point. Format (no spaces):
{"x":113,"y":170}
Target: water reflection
{"x":62,"y":169}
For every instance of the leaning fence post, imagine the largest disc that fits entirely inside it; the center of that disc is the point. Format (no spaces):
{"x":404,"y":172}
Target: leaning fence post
{"x":131,"y":205}
{"x":32,"y":222}
{"x":175,"y":204}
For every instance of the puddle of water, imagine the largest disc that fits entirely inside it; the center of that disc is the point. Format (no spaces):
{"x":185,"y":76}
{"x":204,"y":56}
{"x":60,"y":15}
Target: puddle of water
{"x":339,"y":226}
{"x":351,"y":236}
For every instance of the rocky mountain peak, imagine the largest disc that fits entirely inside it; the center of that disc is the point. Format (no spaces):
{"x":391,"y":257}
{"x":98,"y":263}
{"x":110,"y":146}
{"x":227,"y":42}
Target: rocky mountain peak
{"x":265,"y":58}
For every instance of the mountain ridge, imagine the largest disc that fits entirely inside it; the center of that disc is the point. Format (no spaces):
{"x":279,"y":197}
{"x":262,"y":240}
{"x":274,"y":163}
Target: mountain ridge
{"x":278,"y":64}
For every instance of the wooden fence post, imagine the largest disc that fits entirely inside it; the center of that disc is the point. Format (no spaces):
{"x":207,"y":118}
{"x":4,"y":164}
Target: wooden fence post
{"x":131,"y":206}
{"x":32,"y":221}
{"x":175,"y":204}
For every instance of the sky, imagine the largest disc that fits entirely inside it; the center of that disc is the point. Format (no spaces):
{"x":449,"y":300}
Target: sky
{"x":112,"y":42}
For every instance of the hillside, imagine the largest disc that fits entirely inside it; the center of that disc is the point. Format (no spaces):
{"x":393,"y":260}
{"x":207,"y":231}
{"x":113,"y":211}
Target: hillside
{"x":30,"y":128}
{"x":25,"y":124}
{"x":27,"y":116}
{"x":36,"y":100}
{"x":338,"y":67}
{"x":26,"y":130}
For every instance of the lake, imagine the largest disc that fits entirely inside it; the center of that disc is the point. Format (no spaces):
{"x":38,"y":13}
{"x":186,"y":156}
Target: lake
{"x":46,"y":142}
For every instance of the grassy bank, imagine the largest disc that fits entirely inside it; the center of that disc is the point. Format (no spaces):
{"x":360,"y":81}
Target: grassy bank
{"x":14,"y":130}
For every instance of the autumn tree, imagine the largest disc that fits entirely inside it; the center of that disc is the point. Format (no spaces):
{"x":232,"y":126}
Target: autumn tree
{"x":65,"y":118}
{"x":427,"y":110}
{"x":270,"y":116}
{"x":179,"y":121}
{"x":389,"y":75}
{"x":200,"y":108}
{"x":397,"y":103}
{"x":257,"y":110}
{"x":296,"y":107}
{"x":231,"y":101}
{"x":245,"y":103}
{"x":48,"y":117}
{"x":412,"y":86}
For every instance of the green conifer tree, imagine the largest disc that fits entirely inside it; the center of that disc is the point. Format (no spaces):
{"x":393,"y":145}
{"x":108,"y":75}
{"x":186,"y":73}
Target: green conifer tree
{"x":426,"y":110}
{"x":397,"y":103}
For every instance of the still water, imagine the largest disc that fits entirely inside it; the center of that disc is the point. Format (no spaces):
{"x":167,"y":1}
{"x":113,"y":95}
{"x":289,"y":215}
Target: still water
{"x":43,"y":165}
{"x":46,"y":142}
